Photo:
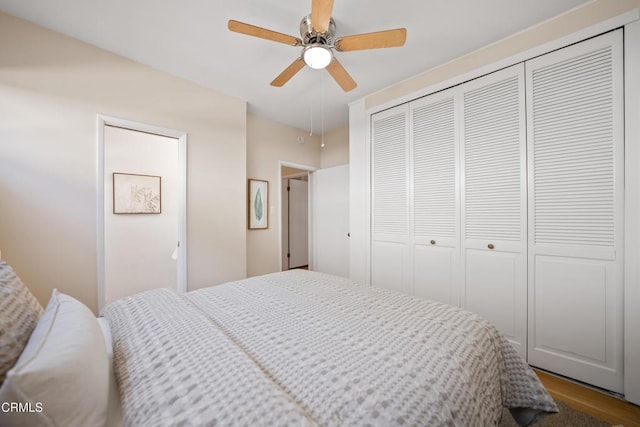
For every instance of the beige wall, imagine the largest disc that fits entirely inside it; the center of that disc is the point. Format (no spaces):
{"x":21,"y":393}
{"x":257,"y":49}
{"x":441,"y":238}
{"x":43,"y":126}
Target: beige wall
{"x":336,"y":148}
{"x":287,"y":171}
{"x":267,"y":144}
{"x":560,"y":26}
{"x":51,"y":88}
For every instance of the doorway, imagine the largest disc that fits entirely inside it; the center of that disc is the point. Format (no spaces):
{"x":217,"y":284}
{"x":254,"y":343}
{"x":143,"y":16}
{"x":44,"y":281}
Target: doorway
{"x":295,"y":218}
{"x":139,"y":247}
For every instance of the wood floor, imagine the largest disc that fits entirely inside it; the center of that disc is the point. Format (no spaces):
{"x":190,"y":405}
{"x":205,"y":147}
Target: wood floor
{"x":599,"y":405}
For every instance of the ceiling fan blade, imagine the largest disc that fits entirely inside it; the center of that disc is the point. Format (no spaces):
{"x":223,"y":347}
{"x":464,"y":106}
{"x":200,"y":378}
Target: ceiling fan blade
{"x":379,"y":39}
{"x":288,"y":72}
{"x":341,"y":76}
{"x":263,"y":33}
{"x":321,"y":14}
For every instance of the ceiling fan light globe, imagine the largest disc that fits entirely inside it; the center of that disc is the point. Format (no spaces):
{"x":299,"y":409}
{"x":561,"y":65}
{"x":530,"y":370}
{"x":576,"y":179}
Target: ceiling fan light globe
{"x":317,"y":56}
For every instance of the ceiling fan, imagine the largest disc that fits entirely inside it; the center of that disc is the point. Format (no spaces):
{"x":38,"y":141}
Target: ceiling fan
{"x":318,"y":31}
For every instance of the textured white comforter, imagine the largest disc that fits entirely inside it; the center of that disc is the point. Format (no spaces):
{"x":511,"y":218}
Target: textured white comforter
{"x":300,"y":348}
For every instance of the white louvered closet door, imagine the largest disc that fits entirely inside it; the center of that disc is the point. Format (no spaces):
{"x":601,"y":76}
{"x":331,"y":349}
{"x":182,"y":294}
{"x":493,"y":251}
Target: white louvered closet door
{"x":390,"y":249}
{"x":493,"y":166}
{"x":575,"y":154}
{"x":435,"y":214}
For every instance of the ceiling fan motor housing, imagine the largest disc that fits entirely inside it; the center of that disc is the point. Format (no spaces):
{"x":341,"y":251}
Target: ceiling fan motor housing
{"x":310,"y":36}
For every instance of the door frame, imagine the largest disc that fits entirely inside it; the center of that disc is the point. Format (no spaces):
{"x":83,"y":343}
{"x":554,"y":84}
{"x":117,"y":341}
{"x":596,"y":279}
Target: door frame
{"x":309,"y":170}
{"x":631,"y":290}
{"x":181,"y":137}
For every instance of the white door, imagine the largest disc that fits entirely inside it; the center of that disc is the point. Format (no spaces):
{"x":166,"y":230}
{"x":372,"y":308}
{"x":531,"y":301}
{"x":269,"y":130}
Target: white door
{"x":390,"y":248}
{"x":331,"y":220}
{"x":285,"y":224}
{"x":494,"y":231}
{"x":436,"y":207}
{"x":298,"y":223}
{"x":575,"y":154}
{"x":140,"y":249}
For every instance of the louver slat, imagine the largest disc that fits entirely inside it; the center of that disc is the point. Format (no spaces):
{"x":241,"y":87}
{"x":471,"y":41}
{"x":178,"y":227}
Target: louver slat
{"x":492,"y":162}
{"x":389,"y":157}
{"x":573,"y":151}
{"x":434,"y":170}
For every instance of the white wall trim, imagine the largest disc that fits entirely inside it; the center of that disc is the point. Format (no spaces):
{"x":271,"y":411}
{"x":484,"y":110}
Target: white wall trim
{"x":309,"y":169}
{"x":181,"y":136}
{"x":585,"y":33}
{"x":632,"y":213}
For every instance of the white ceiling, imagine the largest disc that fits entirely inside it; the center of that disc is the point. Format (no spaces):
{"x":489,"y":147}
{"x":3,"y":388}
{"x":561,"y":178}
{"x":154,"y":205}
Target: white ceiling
{"x":190,"y":39}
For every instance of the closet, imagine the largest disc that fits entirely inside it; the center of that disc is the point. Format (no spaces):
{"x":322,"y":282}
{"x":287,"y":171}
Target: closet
{"x":504,"y":195}
{"x":576,"y":201}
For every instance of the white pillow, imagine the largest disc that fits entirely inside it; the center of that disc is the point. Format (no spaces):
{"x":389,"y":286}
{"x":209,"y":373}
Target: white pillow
{"x":61,"y":378}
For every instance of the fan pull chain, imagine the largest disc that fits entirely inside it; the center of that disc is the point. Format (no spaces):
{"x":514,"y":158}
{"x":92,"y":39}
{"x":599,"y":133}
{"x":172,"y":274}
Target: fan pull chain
{"x":311,"y":114}
{"x":322,"y":101}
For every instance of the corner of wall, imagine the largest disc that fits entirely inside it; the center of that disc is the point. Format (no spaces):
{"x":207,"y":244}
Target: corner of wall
{"x":336,"y":148}
{"x":269,"y":143}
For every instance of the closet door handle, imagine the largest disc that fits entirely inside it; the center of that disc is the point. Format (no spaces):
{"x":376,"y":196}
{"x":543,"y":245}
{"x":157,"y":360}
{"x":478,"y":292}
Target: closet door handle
{"x":490,"y":246}
{"x":433,"y":242}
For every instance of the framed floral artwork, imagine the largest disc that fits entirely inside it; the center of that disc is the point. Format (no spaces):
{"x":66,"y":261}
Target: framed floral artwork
{"x":137,"y":194}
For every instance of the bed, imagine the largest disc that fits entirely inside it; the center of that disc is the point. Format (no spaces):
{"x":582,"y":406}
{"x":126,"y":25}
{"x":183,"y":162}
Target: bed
{"x":305,"y":348}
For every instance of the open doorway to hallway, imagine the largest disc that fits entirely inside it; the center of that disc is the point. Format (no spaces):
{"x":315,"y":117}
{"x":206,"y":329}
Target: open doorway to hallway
{"x":295,"y":217}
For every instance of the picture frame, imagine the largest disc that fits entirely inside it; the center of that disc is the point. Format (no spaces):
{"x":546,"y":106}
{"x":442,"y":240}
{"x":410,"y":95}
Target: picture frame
{"x":258,"y":204}
{"x":136,"y":193}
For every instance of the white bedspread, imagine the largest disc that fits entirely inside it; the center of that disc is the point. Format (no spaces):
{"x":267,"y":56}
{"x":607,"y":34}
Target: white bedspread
{"x":299,"y":348}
